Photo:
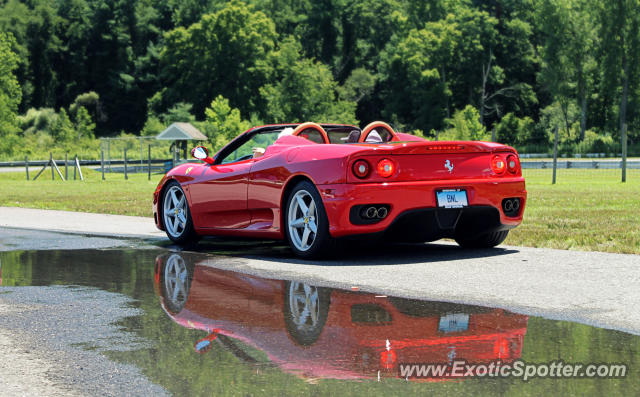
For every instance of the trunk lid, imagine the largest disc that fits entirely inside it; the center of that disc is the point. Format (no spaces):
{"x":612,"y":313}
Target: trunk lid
{"x":425,"y":161}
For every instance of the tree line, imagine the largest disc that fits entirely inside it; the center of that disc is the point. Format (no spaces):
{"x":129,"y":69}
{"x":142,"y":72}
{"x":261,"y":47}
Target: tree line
{"x":74,"y":70}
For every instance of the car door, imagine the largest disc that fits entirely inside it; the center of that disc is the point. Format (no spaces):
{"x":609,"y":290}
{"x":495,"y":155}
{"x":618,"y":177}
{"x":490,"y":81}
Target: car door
{"x":219,"y":199}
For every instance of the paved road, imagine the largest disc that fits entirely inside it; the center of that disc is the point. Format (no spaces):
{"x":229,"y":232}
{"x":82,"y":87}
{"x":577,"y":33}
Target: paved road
{"x":51,"y":339}
{"x":593,"y":288}
{"x":80,"y":222}
{"x":598,"y":289}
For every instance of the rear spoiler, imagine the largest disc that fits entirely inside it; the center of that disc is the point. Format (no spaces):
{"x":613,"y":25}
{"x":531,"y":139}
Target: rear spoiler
{"x":426,"y":147}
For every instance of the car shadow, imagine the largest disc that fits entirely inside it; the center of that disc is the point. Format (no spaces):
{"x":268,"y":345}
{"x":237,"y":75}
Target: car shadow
{"x":354,"y":255}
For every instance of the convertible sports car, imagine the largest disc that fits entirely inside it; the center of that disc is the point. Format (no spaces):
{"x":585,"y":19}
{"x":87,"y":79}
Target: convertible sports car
{"x":316,"y":332}
{"x":316,"y":184}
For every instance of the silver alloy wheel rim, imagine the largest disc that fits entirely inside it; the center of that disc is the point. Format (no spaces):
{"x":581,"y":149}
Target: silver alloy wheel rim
{"x":302,"y":220}
{"x":175,"y":280}
{"x":175,"y":211}
{"x":304,"y":305}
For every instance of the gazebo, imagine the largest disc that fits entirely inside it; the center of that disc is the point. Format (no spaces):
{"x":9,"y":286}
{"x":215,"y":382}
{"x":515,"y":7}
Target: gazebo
{"x":180,"y":133}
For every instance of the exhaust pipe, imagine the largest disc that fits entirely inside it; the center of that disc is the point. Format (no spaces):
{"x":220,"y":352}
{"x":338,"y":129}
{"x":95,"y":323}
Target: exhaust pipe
{"x":511,"y":206}
{"x":508,"y":206}
{"x":366,"y":214}
{"x":371,"y":213}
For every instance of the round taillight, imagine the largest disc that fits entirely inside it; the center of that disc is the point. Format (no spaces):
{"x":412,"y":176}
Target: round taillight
{"x":512,"y":164}
{"x":498,"y":165}
{"x":386,"y":168}
{"x":361,"y":169}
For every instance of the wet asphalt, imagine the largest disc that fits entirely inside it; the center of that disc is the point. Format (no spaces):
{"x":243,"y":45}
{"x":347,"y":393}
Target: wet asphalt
{"x":594,"y":288}
{"x":106,"y":319}
{"x":71,"y":328}
{"x":22,"y":240}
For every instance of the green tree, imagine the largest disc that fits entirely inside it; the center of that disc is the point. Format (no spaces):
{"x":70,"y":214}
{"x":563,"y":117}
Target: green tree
{"x":563,"y":115}
{"x":319,"y":33}
{"x":305,"y":90}
{"x":128,"y":62}
{"x":222,"y":54}
{"x":13,"y":20}
{"x":10,"y":93}
{"x":34,"y":25}
{"x":420,"y":12}
{"x":38,"y":121}
{"x":180,"y":112}
{"x":454,"y":61}
{"x":44,"y":45}
{"x":568,"y":55}
{"x":620,"y":20}
{"x":188,"y":12}
{"x":513,"y":130}
{"x":63,"y":130}
{"x":289,"y":16}
{"x":413,"y":77}
{"x":90,"y":101}
{"x":156,"y":123}
{"x":359,"y":85}
{"x":84,"y":124}
{"x":509,"y":68}
{"x":222,"y":122}
{"x":153,"y":126}
{"x":465,"y":125}
{"x":74,"y":30}
{"x":110,"y":64}
{"x":367,"y":26}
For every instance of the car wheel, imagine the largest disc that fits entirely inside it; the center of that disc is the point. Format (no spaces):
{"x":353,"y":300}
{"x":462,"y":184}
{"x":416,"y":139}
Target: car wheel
{"x":306,"y":222}
{"x":176,"y":282}
{"x":305,"y":311}
{"x":176,"y":215}
{"x":487,"y":240}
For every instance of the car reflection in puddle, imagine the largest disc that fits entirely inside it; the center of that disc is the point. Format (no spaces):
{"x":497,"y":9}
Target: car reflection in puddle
{"x":317,"y":332}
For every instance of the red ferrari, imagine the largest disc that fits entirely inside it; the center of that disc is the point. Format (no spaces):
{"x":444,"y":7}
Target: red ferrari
{"x":316,"y":332}
{"x":315,"y":184}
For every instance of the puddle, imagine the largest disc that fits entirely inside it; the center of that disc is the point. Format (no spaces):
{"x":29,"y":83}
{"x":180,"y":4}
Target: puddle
{"x":207,"y":331}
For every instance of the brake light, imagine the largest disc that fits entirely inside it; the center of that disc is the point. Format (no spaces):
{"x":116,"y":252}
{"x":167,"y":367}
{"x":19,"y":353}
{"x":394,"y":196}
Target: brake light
{"x":498,"y":165}
{"x":361,"y":169}
{"x":386,"y":168}
{"x":501,"y":348}
{"x":445,"y":147}
{"x":388,"y":359}
{"x":512,"y":163}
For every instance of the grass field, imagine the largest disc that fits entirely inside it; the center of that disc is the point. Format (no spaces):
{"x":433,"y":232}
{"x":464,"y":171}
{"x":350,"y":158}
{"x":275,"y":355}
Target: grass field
{"x":585,"y":210}
{"x":112,"y":196}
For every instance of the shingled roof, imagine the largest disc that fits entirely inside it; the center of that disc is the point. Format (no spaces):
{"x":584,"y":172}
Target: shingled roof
{"x":181,"y":132}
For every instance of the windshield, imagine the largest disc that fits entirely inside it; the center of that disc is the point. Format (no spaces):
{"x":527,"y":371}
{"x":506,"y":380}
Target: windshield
{"x":245,"y":151}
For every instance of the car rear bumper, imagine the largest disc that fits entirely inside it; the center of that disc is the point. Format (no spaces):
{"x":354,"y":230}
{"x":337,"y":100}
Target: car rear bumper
{"x":413,"y":213}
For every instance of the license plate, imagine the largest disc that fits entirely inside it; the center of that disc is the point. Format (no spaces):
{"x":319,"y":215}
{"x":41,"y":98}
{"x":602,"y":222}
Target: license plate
{"x":452,"y":198}
{"x":457,"y":322}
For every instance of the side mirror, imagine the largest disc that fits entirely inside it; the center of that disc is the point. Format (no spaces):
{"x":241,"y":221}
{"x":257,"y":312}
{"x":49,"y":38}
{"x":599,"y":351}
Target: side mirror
{"x":201,"y":153}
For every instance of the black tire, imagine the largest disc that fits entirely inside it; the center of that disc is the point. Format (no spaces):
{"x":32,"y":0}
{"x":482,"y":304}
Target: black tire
{"x":176,"y":275}
{"x":183,"y":235}
{"x":323,"y":244}
{"x":487,"y":240}
{"x":305,"y":334}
